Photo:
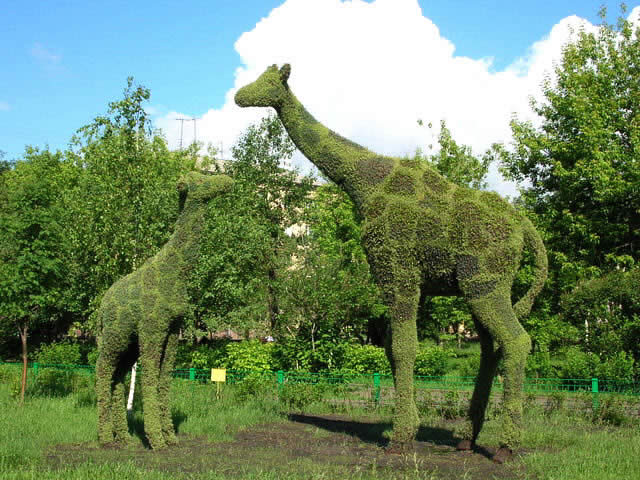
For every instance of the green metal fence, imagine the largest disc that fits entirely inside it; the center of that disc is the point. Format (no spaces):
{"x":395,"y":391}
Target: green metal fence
{"x":377,"y":389}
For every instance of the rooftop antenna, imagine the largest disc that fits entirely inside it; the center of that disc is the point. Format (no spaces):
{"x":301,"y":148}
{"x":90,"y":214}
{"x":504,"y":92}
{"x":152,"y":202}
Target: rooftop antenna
{"x":195,"y":137}
{"x":182,"y":120}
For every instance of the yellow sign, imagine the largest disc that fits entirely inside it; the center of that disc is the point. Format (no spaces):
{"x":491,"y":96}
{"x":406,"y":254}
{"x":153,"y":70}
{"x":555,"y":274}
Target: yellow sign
{"x":218,"y":375}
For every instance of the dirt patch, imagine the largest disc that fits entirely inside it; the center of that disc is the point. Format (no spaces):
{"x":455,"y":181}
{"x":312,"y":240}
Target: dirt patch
{"x":335,"y":445}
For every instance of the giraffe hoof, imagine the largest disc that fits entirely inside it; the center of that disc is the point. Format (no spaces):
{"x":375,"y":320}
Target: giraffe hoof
{"x":502,"y":455}
{"x":464,"y":445}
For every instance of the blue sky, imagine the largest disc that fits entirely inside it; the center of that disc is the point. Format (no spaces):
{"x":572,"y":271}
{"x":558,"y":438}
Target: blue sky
{"x":63,"y":61}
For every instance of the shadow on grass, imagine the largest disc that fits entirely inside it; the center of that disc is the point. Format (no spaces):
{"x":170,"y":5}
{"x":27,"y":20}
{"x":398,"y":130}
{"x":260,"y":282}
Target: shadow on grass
{"x":373,"y":432}
{"x":135,"y":423}
{"x":178,"y":417}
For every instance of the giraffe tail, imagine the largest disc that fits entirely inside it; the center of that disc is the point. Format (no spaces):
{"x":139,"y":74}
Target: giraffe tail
{"x":533,"y":241}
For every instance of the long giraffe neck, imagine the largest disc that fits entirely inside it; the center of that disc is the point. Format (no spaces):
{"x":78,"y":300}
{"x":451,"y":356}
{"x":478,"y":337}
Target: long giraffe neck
{"x":184,"y":243}
{"x":344,"y":162}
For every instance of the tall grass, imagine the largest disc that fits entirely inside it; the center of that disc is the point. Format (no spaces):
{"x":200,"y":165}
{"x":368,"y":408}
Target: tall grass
{"x":559,"y":444}
{"x":198,"y":409}
{"x":567,"y":446}
{"x":26,"y":431}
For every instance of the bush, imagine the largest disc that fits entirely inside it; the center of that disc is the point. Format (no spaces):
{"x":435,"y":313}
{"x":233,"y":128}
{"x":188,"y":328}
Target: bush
{"x":580,"y":364}
{"x":11,"y":375}
{"x":92,"y":356}
{"x":617,"y":368}
{"x":364,"y":359}
{"x":86,"y":398}
{"x":250,"y":355}
{"x":451,"y":407}
{"x":426,"y":404}
{"x":254,"y":385}
{"x":611,"y":411}
{"x":554,"y":403}
{"x":52,"y":383}
{"x":61,"y":353}
{"x":540,"y":365}
{"x":470,"y":366}
{"x":9,"y":372}
{"x":296,"y":396}
{"x":431,"y":362}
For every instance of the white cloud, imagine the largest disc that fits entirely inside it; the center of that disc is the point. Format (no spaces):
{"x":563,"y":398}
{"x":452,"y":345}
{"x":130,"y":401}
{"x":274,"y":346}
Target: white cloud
{"x":634,"y":16}
{"x":370,"y":70}
{"x":45,"y":55}
{"x":49,"y":61}
{"x":4,"y":107}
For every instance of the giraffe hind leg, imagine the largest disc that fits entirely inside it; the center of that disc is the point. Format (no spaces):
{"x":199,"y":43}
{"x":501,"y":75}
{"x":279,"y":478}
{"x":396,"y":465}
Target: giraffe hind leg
{"x":119,"y":409}
{"x":105,"y":373}
{"x":495,"y":313}
{"x":489,"y":359}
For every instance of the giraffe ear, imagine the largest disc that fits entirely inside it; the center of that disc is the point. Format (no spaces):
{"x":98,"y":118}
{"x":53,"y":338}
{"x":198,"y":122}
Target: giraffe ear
{"x":285,"y":71}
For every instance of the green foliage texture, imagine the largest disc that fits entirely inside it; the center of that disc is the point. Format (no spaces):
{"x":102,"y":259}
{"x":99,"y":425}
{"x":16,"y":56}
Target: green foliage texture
{"x":124,"y":202}
{"x":606,"y":313}
{"x":424,"y":234}
{"x":581,"y":163}
{"x":140,"y":316}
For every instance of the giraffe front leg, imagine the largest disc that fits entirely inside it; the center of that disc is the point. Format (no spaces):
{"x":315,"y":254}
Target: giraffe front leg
{"x":150,"y":357}
{"x":403,"y":347}
{"x":164,"y":387}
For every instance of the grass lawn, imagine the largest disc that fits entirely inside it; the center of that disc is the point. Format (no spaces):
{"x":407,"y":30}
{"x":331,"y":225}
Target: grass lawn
{"x":55,"y":438}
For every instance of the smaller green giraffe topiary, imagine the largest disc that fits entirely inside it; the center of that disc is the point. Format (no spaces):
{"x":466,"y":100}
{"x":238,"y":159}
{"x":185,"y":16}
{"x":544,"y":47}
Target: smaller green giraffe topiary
{"x":140,"y":316}
{"x":426,"y":236}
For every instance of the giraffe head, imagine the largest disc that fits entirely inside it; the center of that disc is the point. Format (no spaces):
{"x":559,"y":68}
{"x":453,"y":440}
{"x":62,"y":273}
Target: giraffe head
{"x":268,"y":90}
{"x":195,"y":187}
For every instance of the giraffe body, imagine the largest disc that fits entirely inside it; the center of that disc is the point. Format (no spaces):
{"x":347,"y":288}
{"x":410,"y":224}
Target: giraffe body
{"x":424,"y":236}
{"x":140,"y":316}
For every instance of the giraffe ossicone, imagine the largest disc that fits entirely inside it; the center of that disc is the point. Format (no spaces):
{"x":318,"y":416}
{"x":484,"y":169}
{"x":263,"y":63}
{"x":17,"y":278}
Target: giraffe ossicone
{"x":423,"y":235}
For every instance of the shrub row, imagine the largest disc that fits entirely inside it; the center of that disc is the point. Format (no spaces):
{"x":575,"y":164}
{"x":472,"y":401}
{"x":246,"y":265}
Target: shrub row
{"x":348,"y":358}
{"x":431,"y":360}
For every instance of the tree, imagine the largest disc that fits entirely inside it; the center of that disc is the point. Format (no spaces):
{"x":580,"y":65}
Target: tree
{"x":125,"y":202}
{"x":328,"y":295}
{"x":33,"y":276}
{"x":227,"y":285}
{"x":606,"y":313}
{"x":457,"y":162}
{"x":581,"y":164}
{"x":244,"y":248}
{"x":277,"y":195}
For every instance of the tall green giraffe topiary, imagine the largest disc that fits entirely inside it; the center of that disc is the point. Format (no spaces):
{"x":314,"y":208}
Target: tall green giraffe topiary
{"x":426,"y":236}
{"x":140,"y":316}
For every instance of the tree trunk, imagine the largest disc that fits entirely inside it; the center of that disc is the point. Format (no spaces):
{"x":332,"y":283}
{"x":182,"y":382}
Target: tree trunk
{"x":23,"y":329}
{"x":272,"y":300}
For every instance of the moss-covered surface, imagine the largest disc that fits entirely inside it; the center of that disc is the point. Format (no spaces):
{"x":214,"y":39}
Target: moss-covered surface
{"x":140,"y":316}
{"x":425,"y":235}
